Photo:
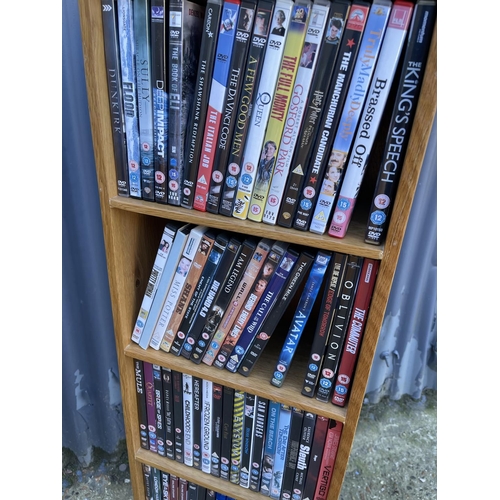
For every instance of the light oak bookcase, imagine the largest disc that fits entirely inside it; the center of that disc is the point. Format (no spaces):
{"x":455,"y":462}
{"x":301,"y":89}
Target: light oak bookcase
{"x":132,"y":229}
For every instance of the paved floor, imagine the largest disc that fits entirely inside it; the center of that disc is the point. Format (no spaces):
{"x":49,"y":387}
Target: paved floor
{"x":394,"y":456}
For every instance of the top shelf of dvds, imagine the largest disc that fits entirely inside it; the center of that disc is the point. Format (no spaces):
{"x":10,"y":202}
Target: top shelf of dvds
{"x":352,"y":244}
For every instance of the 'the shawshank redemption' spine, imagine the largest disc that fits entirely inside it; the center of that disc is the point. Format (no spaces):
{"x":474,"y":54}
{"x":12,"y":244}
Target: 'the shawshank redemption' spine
{"x":185,"y":28}
{"x":371,"y":116}
{"x":355,"y":331}
{"x":113,"y":72}
{"x":324,"y":323}
{"x":369,"y":51}
{"x":263,"y":309}
{"x":403,"y":114}
{"x":222,"y":301}
{"x":220,"y":79}
{"x":328,"y":460}
{"x":196,"y":123}
{"x":251,"y":79}
{"x":318,"y":158}
{"x":200,"y":292}
{"x":129,"y":94}
{"x":142,"y":35}
{"x":307,"y":65}
{"x":261,"y":107}
{"x":140,"y":389}
{"x":261,"y":407}
{"x":336,"y":336}
{"x":159,"y":83}
{"x":297,"y":29}
{"x":231,"y":99}
{"x":301,"y":316}
{"x":315,"y":106}
{"x":293,"y":283}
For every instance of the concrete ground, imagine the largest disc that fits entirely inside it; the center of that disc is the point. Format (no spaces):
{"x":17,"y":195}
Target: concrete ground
{"x":394,"y":456}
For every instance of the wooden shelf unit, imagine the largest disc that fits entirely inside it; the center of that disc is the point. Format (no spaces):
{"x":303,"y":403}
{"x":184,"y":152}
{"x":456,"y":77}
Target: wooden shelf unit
{"x":131,"y":232}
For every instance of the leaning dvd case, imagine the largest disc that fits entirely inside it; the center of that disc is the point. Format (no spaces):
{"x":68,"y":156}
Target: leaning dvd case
{"x":331,"y":293}
{"x":355,"y":331}
{"x":300,"y":317}
{"x":215,"y":311}
{"x":371,"y":116}
{"x":369,"y":51}
{"x":263,"y":309}
{"x":307,"y":195}
{"x":293,"y":284}
{"x":198,"y":327}
{"x":113,"y":73}
{"x":314,"y":109}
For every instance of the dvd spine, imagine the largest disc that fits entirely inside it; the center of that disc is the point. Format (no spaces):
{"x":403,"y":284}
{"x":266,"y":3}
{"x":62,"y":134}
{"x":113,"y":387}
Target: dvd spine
{"x":206,"y":440}
{"x":292,"y":453}
{"x":313,"y":112}
{"x":196,"y":125}
{"x":129,"y":94}
{"x":300,"y":317}
{"x":166,"y":374}
{"x":261,"y":408}
{"x":197,"y":420}
{"x":369,"y":51}
{"x":225,"y":43}
{"x":150,"y":406}
{"x":282,"y":97}
{"x":304,"y":454}
{"x":269,"y":447}
{"x":371,"y":116}
{"x":230,"y":107}
{"x":113,"y":72}
{"x":237,"y":436}
{"x":217,"y":409}
{"x":261,"y":107}
{"x":140,"y":389}
{"x":159,"y":410}
{"x":142,"y":35}
{"x":307,"y":65}
{"x":227,"y":432}
{"x":281,"y":449}
{"x":253,"y":70}
{"x":403,"y":114}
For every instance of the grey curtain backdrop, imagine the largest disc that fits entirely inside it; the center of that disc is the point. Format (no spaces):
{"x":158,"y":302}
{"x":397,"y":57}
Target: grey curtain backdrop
{"x":406,"y":358}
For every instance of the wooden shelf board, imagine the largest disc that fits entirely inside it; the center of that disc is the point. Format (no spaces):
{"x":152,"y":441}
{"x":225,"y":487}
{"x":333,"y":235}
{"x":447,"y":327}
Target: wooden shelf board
{"x":258,"y":382}
{"x":352,"y":243}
